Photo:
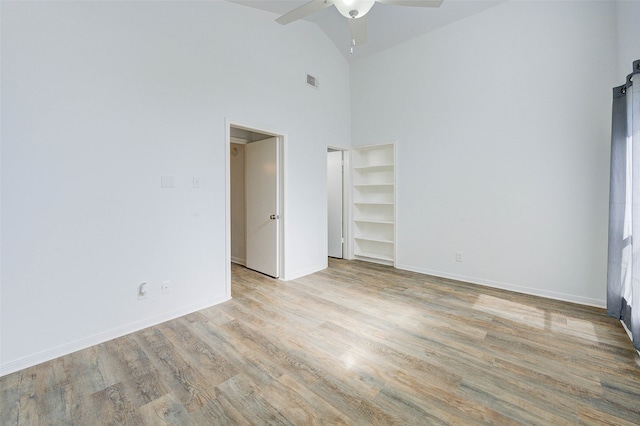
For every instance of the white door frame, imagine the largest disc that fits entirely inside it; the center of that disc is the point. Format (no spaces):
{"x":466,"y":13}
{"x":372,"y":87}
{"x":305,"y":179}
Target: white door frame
{"x":282,"y":141}
{"x":347,"y":247}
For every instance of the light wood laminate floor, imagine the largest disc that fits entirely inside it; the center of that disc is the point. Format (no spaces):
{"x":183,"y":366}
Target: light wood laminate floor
{"x":357,"y":343}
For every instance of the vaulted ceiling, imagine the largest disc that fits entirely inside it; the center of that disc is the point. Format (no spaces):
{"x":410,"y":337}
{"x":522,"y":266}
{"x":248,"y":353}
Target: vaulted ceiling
{"x":388,"y":25}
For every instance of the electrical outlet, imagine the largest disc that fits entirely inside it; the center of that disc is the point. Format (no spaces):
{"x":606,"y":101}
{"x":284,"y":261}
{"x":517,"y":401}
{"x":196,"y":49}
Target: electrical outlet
{"x":166,"y":287}
{"x":458,"y":256}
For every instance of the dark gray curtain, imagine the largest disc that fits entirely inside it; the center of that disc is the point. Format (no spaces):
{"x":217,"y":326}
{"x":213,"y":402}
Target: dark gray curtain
{"x":623,"y":274}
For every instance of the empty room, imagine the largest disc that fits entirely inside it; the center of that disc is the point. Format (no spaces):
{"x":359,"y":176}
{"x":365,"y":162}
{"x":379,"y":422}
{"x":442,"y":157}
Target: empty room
{"x":170,"y":252}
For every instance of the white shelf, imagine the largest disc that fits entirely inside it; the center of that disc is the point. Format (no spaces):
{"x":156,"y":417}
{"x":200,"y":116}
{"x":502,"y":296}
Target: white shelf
{"x":377,"y":240}
{"x":375,"y":167}
{"x":374,"y":184}
{"x":374,"y":203}
{"x":375,"y":256}
{"x":381,"y":222}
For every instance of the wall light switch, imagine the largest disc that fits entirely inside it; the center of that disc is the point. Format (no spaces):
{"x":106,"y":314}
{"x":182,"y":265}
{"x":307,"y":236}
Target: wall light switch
{"x":196,"y":182}
{"x":166,"y":182}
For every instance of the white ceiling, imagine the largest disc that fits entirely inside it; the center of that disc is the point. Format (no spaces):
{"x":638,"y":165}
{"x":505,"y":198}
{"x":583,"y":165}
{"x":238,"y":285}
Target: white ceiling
{"x":388,"y":25}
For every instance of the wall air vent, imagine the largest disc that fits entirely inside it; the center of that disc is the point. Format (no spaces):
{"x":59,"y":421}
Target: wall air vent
{"x":312,"y":81}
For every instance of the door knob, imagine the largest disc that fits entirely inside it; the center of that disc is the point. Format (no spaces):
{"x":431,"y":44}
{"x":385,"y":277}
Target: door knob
{"x":274,"y":217}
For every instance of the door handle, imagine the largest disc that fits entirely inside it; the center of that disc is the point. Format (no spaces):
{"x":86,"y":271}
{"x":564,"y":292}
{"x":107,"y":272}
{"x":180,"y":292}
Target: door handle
{"x":274,"y":217}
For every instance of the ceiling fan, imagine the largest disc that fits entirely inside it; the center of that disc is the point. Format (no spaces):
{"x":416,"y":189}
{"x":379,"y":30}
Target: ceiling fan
{"x":353,"y":10}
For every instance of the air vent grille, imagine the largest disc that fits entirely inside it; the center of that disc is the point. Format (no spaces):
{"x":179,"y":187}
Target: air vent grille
{"x":312,"y":81}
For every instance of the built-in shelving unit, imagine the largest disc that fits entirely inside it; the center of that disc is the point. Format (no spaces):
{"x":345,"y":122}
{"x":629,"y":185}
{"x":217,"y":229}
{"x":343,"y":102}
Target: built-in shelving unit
{"x":374,"y":197}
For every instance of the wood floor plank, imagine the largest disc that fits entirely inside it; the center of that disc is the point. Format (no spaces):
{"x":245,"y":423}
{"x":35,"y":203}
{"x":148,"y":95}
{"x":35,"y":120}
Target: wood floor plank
{"x":28,"y":405}
{"x":301,"y":406}
{"x":269,"y":318}
{"x":268,"y":354}
{"x":243,"y":394}
{"x":84,"y":365}
{"x":236,"y":355}
{"x":113,"y":406}
{"x":219,"y":412}
{"x":211,"y":364}
{"x":10,"y":395}
{"x":51,"y":382}
{"x":491,"y":393}
{"x":354,"y":344}
{"x":165,"y":410}
{"x":136,"y":372}
{"x":185,"y":380}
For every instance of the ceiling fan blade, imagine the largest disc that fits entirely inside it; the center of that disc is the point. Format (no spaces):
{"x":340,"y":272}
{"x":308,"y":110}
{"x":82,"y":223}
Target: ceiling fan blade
{"x":303,"y":11}
{"x":358,"y":28}
{"x":417,"y":3}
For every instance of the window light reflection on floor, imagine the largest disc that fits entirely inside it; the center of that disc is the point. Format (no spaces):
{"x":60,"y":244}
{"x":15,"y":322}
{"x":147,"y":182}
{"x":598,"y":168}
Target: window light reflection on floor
{"x":534,"y":317}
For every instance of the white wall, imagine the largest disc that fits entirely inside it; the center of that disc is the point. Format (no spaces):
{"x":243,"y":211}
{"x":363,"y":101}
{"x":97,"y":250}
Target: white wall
{"x":502,"y":153}
{"x":628,"y":36}
{"x":503,"y":129}
{"x":99,"y":99}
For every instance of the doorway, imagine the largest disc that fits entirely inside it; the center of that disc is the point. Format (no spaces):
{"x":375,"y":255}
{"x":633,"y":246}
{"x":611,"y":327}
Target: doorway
{"x":337,"y":203}
{"x":255,"y":200}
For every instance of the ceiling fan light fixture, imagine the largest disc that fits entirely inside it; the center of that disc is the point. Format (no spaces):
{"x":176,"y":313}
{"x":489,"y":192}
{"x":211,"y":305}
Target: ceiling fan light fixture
{"x":352,"y":9}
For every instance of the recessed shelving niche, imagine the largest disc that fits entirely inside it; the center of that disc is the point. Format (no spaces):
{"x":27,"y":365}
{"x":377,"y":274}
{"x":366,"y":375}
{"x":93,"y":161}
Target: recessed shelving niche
{"x":374,"y":203}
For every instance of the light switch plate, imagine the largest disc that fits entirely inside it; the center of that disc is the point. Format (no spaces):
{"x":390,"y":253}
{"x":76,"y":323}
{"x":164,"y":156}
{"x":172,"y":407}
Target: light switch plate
{"x":166,"y":182}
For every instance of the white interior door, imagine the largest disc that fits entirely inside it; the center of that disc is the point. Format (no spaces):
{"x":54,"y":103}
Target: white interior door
{"x":334,"y":203}
{"x":262,"y":192}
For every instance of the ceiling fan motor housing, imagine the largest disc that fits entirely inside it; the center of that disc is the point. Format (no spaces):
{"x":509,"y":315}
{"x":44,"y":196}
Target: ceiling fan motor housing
{"x":353,"y":8}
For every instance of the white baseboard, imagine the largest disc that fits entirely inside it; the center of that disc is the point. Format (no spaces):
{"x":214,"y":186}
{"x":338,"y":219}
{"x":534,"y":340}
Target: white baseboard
{"x":302,"y":273}
{"x":511,"y":287}
{"x":58,"y":351}
{"x":239,"y":261}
